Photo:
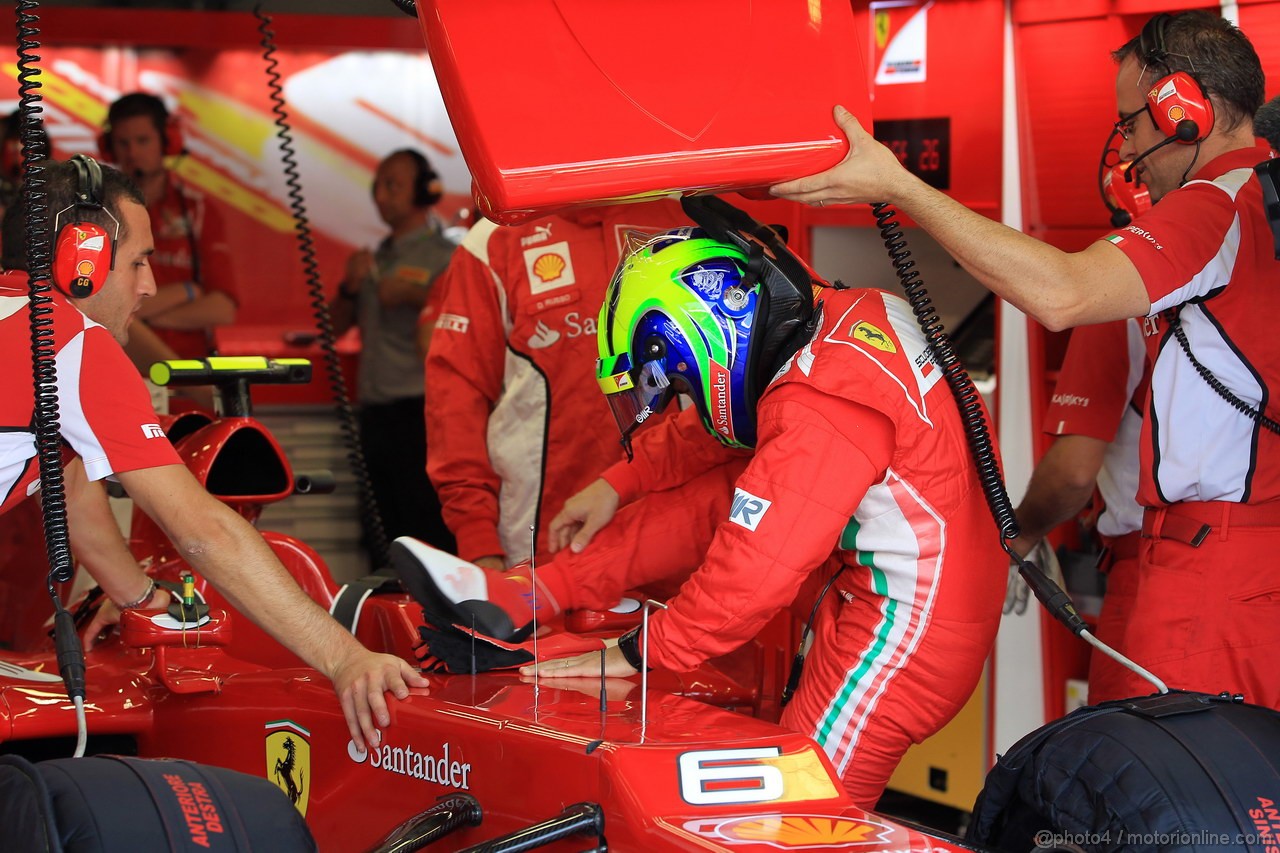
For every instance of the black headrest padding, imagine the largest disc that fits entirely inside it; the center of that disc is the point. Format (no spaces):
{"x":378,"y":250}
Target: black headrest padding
{"x":786,"y":316}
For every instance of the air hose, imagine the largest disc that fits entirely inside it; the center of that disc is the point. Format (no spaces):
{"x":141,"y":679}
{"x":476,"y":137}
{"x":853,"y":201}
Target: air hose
{"x":53,"y":499}
{"x":370,"y":516}
{"x":977,"y":432}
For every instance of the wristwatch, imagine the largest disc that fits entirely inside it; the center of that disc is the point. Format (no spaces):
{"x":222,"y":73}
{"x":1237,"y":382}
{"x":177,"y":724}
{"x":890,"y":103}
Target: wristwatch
{"x":629,"y":645}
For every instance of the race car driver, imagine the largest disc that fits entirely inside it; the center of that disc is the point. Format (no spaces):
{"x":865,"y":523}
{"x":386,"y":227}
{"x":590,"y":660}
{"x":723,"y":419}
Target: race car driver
{"x":859,"y":478}
{"x":107,"y":419}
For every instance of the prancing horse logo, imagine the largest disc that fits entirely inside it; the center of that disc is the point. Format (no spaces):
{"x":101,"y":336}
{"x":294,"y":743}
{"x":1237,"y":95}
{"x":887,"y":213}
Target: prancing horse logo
{"x":289,"y":760}
{"x":873,"y":336}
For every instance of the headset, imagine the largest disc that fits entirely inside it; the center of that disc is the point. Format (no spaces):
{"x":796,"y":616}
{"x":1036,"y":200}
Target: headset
{"x":84,"y":253}
{"x":1177,"y":103}
{"x":427,"y":188}
{"x":172,"y":143}
{"x":1124,"y":194}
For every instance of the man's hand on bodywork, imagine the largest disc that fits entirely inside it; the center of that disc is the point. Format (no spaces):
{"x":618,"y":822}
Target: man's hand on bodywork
{"x":361,"y":681}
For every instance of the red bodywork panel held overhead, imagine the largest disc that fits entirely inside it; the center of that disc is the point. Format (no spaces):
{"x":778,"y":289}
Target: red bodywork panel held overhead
{"x":558,"y":103}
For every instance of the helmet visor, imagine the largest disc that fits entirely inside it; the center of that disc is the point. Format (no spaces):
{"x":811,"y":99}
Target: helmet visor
{"x":634,"y":395}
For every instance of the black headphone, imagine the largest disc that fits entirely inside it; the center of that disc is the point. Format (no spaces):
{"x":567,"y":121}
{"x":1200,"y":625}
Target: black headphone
{"x":84,"y":252}
{"x":427,"y":189}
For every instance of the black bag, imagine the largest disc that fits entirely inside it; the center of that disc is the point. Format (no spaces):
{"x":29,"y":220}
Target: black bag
{"x":1180,"y":771}
{"x":110,"y":804}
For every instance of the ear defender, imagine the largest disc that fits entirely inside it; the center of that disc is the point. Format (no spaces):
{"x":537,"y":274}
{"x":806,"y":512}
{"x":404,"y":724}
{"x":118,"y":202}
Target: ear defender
{"x":84,"y":253}
{"x":81,"y":258}
{"x":1180,"y":108}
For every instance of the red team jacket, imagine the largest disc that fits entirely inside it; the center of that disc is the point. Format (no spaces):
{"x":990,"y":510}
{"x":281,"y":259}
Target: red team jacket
{"x":515,"y":421}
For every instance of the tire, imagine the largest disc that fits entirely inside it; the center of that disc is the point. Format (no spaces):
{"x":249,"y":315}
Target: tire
{"x":1178,"y":772}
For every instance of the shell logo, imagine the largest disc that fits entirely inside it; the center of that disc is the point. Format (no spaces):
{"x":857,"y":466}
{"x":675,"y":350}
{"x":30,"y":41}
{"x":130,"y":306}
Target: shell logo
{"x":804,"y":831}
{"x":548,"y":267}
{"x":1177,"y":113}
{"x":85,"y":268}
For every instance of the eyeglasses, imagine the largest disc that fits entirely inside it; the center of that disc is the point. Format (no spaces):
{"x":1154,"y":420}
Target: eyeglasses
{"x":1124,"y":126}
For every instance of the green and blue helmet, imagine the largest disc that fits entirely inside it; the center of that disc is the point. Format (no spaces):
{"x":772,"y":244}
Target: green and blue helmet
{"x":677,"y":318}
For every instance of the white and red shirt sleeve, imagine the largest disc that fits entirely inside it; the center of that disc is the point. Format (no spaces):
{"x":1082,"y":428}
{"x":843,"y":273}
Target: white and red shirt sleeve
{"x":1094,"y":384}
{"x":1099,"y":394}
{"x":105,"y":413}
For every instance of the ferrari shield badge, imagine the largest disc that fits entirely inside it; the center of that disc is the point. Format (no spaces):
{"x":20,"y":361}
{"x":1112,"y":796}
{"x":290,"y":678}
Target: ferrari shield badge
{"x":289,"y":760}
{"x":865,"y":333}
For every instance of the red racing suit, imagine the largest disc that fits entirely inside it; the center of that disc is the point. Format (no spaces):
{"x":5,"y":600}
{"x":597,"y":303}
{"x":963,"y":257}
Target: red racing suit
{"x":1100,"y":392}
{"x":1208,"y":577}
{"x":104,"y":409}
{"x":191,"y":245}
{"x":861,"y":469}
{"x":515,"y":422}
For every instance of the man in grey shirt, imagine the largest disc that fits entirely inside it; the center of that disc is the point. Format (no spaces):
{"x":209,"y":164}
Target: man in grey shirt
{"x":383,"y":293}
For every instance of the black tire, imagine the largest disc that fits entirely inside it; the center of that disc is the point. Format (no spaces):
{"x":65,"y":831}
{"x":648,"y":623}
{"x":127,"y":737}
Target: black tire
{"x":1181,"y":772}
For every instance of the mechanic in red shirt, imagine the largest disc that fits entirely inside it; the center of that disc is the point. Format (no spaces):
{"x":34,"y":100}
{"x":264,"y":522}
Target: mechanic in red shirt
{"x":1096,"y":412}
{"x":195,"y":285}
{"x":1186,"y":92}
{"x":107,"y":419}
{"x":841,"y":460}
{"x":514,"y":425}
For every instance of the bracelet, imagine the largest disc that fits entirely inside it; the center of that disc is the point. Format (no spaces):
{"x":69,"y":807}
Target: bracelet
{"x":629,"y":645}
{"x":143,"y":600}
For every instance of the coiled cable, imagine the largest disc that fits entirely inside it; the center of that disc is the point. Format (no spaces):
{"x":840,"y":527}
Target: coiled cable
{"x":976,"y":431}
{"x":409,"y":7}
{"x":1175,"y":325}
{"x":962,"y":388}
{"x":370,"y":516}
{"x":53,"y":499}
{"x":35,"y":196}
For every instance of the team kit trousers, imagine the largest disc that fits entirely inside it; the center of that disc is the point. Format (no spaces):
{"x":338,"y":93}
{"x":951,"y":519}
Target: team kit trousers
{"x":857,"y":698}
{"x":1107,"y":678}
{"x":1199,"y":606}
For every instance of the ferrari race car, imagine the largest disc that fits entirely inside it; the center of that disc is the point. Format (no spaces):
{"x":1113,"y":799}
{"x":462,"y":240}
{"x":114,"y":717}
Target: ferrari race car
{"x":491,"y":761}
{"x":471,"y":759}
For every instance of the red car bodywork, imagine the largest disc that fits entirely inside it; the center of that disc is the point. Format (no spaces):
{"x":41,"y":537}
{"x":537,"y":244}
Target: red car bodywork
{"x":688,"y":775}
